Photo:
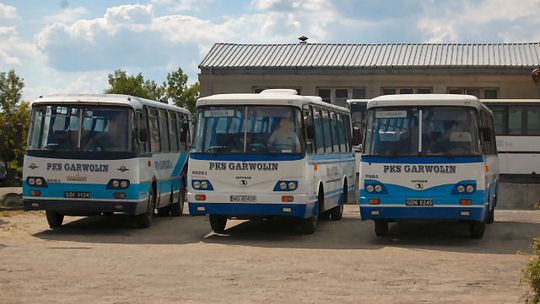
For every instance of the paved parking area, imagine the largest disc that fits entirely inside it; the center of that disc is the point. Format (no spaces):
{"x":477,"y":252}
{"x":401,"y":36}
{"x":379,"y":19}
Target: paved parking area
{"x":178,"y":260}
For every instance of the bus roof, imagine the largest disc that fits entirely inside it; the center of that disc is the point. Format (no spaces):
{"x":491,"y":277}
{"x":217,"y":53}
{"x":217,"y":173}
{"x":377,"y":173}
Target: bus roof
{"x":106,"y":99}
{"x":267,"y":97}
{"x":510,"y":101}
{"x":425,"y":100}
{"x":357,"y":101}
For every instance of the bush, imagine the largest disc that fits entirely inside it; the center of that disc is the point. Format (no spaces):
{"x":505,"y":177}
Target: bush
{"x":531,"y":274}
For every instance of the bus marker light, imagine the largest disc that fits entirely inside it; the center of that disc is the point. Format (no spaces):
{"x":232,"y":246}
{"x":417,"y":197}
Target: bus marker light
{"x":119,"y":195}
{"x":374,"y":201}
{"x":35,"y":193}
{"x":487,"y":168}
{"x":464,"y":201}
{"x":315,"y":167}
{"x":201,"y":208}
{"x":375,"y":212}
{"x":200,"y":197}
{"x":149,"y":163}
{"x":287,"y":199}
{"x":286,"y":209}
{"x":464,"y":213}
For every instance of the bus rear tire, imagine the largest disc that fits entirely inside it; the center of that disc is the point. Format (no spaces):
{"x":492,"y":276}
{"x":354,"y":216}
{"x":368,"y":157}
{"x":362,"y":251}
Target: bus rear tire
{"x":164,"y":211}
{"x":476,"y":229}
{"x":336,"y":213}
{"x":381,"y":228}
{"x":177,"y":209}
{"x":145,"y":220}
{"x":218,"y":223}
{"x":307,"y":226}
{"x":54,"y":219}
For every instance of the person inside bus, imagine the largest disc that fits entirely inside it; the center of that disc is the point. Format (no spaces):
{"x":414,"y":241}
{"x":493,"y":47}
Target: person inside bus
{"x":284,"y":138}
{"x":111,"y":138}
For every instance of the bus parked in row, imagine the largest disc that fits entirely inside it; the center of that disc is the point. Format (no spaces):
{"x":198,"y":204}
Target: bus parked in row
{"x":517,"y":130}
{"x":517,"y":127}
{"x":272,"y":154}
{"x":428,"y":157}
{"x":105,"y":154}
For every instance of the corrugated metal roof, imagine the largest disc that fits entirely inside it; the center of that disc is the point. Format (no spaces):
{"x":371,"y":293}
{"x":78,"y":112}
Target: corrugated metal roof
{"x":231,"y":55}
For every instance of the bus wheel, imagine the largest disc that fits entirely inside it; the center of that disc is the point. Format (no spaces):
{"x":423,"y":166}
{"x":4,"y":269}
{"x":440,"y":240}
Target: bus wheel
{"x":491,"y":216}
{"x":145,"y":220}
{"x":54,"y":219}
{"x":177,"y":209}
{"x":336,"y":213}
{"x":164,"y":211}
{"x":308,"y":225}
{"x":381,"y":227}
{"x":218,"y":223}
{"x":476,"y":229}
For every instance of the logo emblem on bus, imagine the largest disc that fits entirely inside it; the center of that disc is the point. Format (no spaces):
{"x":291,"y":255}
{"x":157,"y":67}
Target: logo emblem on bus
{"x":33,"y":166}
{"x":419,"y":186}
{"x":123,"y":169}
{"x":243,"y":182}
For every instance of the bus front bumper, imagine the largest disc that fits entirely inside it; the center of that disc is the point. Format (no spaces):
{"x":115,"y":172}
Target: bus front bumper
{"x":86,"y":207}
{"x":252,"y":210}
{"x":475,"y":213}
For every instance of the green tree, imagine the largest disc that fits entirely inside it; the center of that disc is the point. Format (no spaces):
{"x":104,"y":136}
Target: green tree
{"x":179,"y":92}
{"x":14,"y":118}
{"x":135,"y":85}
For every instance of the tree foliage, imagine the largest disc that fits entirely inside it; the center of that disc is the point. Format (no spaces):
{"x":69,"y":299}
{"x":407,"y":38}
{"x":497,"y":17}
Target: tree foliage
{"x":175,"y":89}
{"x":531,"y":274}
{"x":14,"y":118}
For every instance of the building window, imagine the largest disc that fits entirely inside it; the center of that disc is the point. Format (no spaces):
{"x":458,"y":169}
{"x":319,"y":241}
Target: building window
{"x":339,"y":96}
{"x":405,"y":90}
{"x":485,"y":93}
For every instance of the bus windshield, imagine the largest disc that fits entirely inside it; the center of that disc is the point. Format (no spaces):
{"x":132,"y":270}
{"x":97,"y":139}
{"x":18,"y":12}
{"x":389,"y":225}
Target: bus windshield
{"x":248,"y":130}
{"x":426,"y":131}
{"x":79,"y":128}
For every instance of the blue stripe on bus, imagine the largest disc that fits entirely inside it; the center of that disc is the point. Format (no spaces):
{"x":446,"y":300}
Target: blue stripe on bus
{"x":97,"y":191}
{"x":180,"y":164}
{"x":331,"y":156}
{"x":244,"y":209}
{"x":422,"y":213}
{"x":247,"y":157}
{"x":441,"y":195}
{"x":421,"y":160}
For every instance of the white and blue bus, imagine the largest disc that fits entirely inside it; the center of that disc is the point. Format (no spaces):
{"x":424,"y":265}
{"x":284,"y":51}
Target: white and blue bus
{"x":428,"y":157}
{"x":105,"y":154}
{"x":267,"y":155}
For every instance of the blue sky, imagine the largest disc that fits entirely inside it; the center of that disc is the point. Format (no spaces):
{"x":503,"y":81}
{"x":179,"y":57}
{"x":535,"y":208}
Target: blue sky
{"x":68,"y":46}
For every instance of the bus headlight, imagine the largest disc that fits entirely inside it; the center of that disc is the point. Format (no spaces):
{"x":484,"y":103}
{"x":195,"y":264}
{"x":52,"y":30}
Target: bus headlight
{"x":124,"y":184}
{"x":369,"y":188}
{"x":115,"y":183}
{"x":378,"y":188}
{"x":196,"y":184}
{"x":31,"y":181}
{"x":36,"y":181}
{"x":460,"y":189}
{"x":204,"y":184}
{"x":286,"y":185}
{"x":283,"y":186}
{"x":118,"y":184}
{"x":292,"y":185}
{"x":469,"y":189}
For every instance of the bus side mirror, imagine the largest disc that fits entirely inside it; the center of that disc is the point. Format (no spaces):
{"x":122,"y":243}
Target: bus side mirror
{"x":143,"y":136}
{"x":357,"y":136}
{"x":184,"y":132}
{"x":486,"y":134}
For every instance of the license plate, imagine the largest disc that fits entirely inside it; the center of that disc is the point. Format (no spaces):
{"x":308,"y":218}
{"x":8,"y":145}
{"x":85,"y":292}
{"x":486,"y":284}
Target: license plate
{"x":243,"y":198}
{"x":73,"y":194}
{"x":419,"y":202}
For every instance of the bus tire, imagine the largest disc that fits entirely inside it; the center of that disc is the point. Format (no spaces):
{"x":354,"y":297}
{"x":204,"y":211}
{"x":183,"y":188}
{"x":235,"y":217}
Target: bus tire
{"x":381,"y":228}
{"x":164,"y":211}
{"x":145,"y":220}
{"x":476,"y":229}
{"x":54,"y":219}
{"x":321,"y":214}
{"x":177,"y":209}
{"x":218,"y":223}
{"x":336,"y":213}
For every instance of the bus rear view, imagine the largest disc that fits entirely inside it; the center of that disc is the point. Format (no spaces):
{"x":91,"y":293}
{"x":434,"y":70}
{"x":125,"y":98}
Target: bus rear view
{"x":428,"y":157}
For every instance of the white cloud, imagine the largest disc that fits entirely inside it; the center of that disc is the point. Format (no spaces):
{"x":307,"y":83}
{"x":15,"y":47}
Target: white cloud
{"x":68,"y":15}
{"x":177,"y":6}
{"x":7,"y":11}
{"x":12,"y":50}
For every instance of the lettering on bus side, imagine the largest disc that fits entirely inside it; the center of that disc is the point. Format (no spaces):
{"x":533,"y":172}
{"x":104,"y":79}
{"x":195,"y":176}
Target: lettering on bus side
{"x":438,"y":169}
{"x":243,"y":166}
{"x":71,"y":167}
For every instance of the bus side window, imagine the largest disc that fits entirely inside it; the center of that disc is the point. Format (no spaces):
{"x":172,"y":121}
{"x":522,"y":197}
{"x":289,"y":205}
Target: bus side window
{"x":164,"y":131}
{"x":327,"y":131}
{"x":173,"y":138}
{"x":180,"y":126}
{"x":309,"y":129}
{"x":142,"y":131}
{"x":347,"y":133}
{"x":335,"y":132}
{"x":341,"y":133}
{"x":319,"y":134}
{"x":155,"y":142}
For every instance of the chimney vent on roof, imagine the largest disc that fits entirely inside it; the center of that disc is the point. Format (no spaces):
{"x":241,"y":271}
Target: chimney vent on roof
{"x":303,"y":39}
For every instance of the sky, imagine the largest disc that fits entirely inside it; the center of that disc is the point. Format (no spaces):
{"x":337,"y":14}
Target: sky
{"x":70,"y":46}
